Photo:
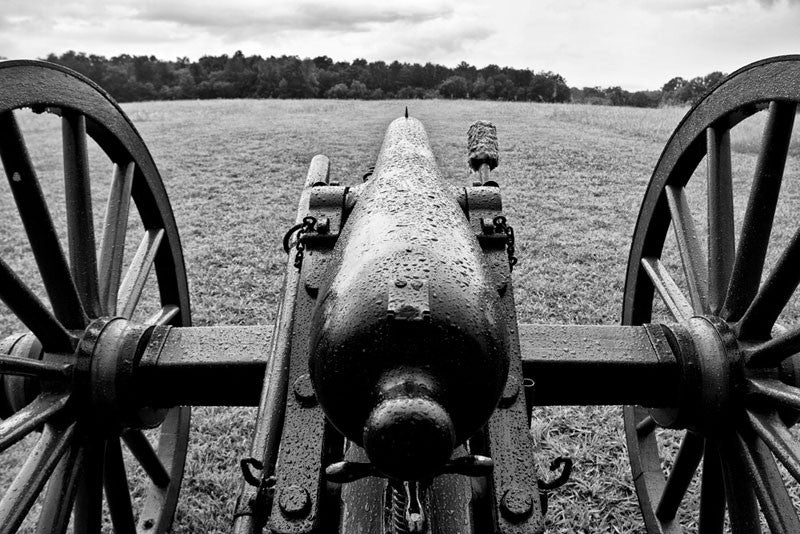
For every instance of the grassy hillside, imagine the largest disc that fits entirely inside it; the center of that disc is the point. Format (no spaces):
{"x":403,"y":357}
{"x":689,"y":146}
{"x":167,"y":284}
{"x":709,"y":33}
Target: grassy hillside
{"x":572,"y":179}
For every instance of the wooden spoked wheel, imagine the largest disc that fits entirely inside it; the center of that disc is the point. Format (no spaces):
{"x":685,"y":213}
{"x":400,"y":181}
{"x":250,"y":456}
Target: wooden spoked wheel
{"x":716,"y":251}
{"x":67,"y":404}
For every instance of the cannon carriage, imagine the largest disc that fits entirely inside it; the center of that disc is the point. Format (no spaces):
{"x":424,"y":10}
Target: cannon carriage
{"x":395,"y":390}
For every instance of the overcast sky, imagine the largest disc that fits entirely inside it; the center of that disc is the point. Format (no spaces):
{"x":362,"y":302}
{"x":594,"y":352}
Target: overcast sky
{"x":637,"y":44}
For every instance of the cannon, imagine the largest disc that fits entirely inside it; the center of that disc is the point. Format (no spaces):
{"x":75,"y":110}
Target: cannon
{"x":395,"y":390}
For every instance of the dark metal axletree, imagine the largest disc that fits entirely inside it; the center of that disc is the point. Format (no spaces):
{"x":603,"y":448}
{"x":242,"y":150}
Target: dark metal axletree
{"x":60,"y":376}
{"x":740,"y":388}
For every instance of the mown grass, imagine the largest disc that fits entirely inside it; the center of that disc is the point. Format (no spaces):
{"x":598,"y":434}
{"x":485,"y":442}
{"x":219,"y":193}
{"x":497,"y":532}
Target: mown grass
{"x":572,"y":179}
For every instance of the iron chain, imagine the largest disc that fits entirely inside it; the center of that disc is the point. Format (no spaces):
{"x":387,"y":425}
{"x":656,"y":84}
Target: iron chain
{"x":501,"y":225}
{"x":246,"y":464}
{"x":299,"y":230}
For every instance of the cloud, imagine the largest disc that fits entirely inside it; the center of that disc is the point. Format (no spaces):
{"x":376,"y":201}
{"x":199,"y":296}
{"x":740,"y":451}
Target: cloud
{"x":675,"y":6}
{"x":47,"y":13}
{"x":306,"y":16}
{"x":450,"y":43}
{"x":633,"y":43}
{"x":771,"y":3}
{"x":706,"y":6}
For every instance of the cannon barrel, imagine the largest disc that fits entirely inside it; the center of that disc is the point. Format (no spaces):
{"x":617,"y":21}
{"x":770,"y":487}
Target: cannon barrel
{"x":408,"y":343}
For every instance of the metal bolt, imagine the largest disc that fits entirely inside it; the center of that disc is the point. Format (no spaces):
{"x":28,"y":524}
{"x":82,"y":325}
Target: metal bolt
{"x":400,"y":282}
{"x":294,"y":501}
{"x":148,"y":524}
{"x":516,"y":504}
{"x":323,"y":225}
{"x":416,"y":284}
{"x":304,"y":390}
{"x":510,"y":392}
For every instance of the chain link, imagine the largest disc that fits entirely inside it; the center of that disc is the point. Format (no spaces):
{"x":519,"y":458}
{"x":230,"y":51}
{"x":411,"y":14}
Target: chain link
{"x":501,"y":225}
{"x":298,"y":230}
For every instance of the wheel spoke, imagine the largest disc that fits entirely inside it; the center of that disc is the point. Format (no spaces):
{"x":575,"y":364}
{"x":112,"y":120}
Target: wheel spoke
{"x":770,"y":490}
{"x":689,"y":247}
{"x":115,"y":228}
{"x":141,"y":448}
{"x":60,"y":495}
{"x":741,"y":500}
{"x":80,"y":223}
{"x":163,"y":316}
{"x":30,"y":310}
{"x":88,"y":511}
{"x":31,"y":417}
{"x":774,"y":351}
{"x":15,"y":365}
{"x":758,"y":218}
{"x":30,"y":480}
{"x":775,"y":390}
{"x":117,"y":493}
{"x":132,"y":285}
{"x":721,"y":234}
{"x":778,"y":438}
{"x":683,"y":470}
{"x":774,"y":294}
{"x":645,"y":426}
{"x":712,"y":493}
{"x":670,"y":293}
{"x":38,"y":225}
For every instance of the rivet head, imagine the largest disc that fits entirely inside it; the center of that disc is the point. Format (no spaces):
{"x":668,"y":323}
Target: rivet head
{"x":294,"y":501}
{"x":304,"y":390}
{"x":517,"y":504}
{"x":510,"y":392}
{"x":323,"y":225}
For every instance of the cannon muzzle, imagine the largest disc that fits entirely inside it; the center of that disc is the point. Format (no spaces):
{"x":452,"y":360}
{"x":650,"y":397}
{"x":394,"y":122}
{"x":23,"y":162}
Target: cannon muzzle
{"x":408,"y":343}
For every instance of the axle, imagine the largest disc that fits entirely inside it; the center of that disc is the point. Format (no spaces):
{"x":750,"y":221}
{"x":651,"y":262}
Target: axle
{"x":223,"y":365}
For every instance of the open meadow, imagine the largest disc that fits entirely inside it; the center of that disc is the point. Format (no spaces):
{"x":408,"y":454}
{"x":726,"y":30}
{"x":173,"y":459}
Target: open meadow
{"x":572,"y":180}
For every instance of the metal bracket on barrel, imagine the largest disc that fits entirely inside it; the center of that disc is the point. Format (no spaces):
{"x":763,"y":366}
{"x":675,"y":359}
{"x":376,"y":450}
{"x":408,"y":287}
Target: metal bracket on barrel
{"x":328,"y":205}
{"x":484,"y":205}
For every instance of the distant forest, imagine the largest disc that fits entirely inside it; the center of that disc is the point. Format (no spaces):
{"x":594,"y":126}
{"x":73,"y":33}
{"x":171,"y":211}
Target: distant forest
{"x":136,"y":78}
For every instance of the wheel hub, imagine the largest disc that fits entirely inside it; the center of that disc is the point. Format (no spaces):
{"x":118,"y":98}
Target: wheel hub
{"x":712,"y":377}
{"x":101,"y":379}
{"x":110,"y":348}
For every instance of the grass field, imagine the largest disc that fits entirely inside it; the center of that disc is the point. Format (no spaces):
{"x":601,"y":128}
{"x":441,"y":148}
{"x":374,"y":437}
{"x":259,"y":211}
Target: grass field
{"x":572,"y":179}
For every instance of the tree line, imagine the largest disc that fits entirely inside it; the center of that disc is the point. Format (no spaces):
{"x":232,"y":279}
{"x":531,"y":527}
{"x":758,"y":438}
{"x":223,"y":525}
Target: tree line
{"x":676,"y":92}
{"x":135,"y":78}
